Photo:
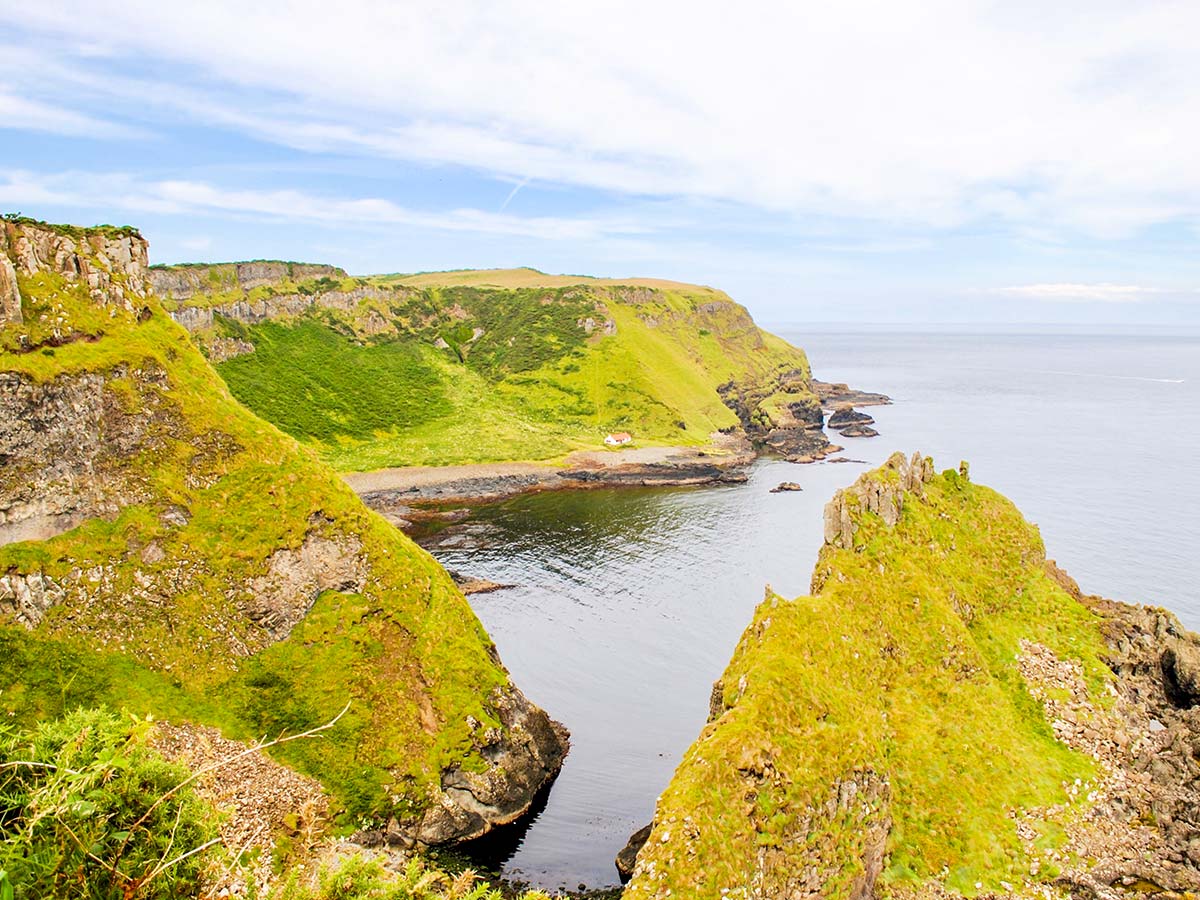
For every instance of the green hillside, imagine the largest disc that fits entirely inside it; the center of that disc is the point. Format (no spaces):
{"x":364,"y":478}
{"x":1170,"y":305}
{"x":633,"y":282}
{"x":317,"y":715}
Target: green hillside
{"x":461,"y":367}
{"x":185,"y":558}
{"x":880,"y":728}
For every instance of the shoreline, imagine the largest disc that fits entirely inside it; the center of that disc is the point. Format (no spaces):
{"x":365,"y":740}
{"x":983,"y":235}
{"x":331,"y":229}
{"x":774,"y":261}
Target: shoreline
{"x":393,"y":492}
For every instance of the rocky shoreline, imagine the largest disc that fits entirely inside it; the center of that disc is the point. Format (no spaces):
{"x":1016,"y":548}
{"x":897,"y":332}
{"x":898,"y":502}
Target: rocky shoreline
{"x":398,"y":494}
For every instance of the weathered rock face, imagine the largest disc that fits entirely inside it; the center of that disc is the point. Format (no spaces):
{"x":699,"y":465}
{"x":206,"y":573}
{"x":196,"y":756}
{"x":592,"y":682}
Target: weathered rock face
{"x":182,"y":282}
{"x":10,"y":294}
{"x":26,"y":598}
{"x":627,"y":859}
{"x":283,"y":306}
{"x":278,"y":599}
{"x":1144,"y":827}
{"x":111,"y":264}
{"x":523,"y":758}
{"x":880,"y":492}
{"x":63,"y":445}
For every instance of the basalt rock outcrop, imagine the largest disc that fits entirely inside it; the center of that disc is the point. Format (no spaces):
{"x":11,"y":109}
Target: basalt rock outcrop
{"x":792,"y":429}
{"x":184,"y":282}
{"x":946,"y":715}
{"x":162,"y":548}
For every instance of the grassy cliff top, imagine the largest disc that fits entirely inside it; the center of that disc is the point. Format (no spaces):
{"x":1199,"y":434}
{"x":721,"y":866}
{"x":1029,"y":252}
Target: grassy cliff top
{"x":490,"y":366}
{"x":76,"y":232}
{"x":525,"y":277}
{"x":880,"y":728}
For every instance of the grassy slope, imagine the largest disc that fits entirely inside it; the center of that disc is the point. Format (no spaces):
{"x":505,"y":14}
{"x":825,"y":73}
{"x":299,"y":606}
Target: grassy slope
{"x":408,"y":647}
{"x":532,"y":386}
{"x":903,"y":663}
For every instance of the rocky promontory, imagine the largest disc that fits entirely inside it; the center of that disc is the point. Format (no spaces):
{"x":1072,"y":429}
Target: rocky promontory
{"x":946,"y":715}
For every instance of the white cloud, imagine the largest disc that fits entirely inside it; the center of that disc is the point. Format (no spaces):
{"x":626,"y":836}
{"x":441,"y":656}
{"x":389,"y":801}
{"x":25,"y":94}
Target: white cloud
{"x":1081,"y":116}
{"x":26,"y":114}
{"x":1103,"y":292}
{"x":119,"y":191}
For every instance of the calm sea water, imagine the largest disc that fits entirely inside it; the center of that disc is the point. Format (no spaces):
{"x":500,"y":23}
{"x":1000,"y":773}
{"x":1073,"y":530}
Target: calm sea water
{"x":627,"y":604}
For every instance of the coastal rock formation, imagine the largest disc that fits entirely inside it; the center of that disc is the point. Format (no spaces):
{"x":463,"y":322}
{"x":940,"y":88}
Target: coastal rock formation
{"x":565,"y":360}
{"x":885,"y":724}
{"x":184,"y":282}
{"x":785,"y":486}
{"x":626,"y":860}
{"x":839,"y":395}
{"x":158,"y":537}
{"x":527,"y":754}
{"x":881,"y":492}
{"x":845,"y":416}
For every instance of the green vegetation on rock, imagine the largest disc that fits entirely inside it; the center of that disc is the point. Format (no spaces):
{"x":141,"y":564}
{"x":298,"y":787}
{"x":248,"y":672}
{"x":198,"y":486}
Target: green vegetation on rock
{"x":88,"y":811}
{"x":464,"y":367}
{"x":879,"y":730}
{"x":196,"y":563}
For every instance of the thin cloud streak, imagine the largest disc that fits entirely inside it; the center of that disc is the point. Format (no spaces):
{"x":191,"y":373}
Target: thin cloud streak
{"x":180,"y":197}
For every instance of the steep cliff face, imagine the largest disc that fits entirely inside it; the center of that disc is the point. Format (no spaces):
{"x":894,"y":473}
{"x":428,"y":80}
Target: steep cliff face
{"x":505,"y":365}
{"x":183,"y":282}
{"x":946,"y":715}
{"x":165,"y":551}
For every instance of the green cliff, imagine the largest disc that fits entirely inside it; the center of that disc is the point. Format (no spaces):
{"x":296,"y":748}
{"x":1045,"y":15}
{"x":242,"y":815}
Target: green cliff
{"x":483,"y":366}
{"x":946,"y":714}
{"x":165,"y":551}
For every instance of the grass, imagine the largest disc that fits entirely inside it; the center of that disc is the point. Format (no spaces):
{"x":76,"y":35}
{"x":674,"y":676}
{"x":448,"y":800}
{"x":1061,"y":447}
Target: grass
{"x":318,"y":385}
{"x":516,"y":377}
{"x":77,"y":232}
{"x":169,"y":637}
{"x":903,"y":664}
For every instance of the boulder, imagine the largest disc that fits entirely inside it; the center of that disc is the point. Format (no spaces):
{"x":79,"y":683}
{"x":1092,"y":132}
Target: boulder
{"x":627,"y":858}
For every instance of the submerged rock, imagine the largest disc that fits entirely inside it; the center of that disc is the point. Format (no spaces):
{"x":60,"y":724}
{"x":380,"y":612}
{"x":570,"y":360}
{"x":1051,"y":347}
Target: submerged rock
{"x":785,"y":486}
{"x":858,"y":430}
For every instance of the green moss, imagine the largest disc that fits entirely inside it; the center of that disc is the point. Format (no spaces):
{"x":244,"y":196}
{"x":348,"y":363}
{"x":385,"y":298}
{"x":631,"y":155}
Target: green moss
{"x":165,"y":632}
{"x":902,"y":665}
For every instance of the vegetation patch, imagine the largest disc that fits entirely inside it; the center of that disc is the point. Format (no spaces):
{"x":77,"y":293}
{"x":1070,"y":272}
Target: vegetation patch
{"x":896,"y":685}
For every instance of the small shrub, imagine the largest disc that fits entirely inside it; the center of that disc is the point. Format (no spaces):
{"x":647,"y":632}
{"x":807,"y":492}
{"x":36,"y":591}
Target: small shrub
{"x":88,"y":811}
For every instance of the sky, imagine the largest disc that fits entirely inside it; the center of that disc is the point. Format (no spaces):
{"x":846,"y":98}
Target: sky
{"x":822,"y":162}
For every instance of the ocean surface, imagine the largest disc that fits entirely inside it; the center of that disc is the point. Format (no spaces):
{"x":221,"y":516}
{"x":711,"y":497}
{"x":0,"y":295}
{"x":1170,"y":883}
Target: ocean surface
{"x":627,"y":604}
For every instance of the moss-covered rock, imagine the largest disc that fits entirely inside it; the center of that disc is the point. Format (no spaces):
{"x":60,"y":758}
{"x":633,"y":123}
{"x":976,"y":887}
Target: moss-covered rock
{"x":166,"y":551}
{"x":940,"y":717}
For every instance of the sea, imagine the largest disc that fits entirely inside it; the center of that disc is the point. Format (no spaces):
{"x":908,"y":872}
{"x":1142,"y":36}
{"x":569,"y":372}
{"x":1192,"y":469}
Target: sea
{"x":626,"y":604}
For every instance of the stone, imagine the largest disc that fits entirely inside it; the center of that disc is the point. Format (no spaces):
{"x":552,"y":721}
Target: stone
{"x":785,"y":486}
{"x":627,"y":859}
{"x":10,"y":294}
{"x":845,"y":416}
{"x":524,"y":758}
